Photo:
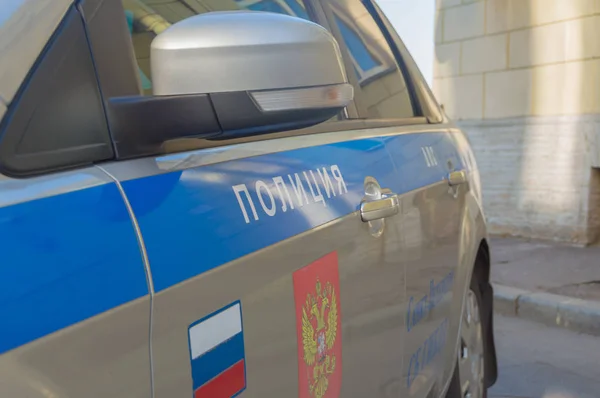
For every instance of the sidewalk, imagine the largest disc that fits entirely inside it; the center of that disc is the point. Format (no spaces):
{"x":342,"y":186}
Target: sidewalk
{"x":547,"y":282}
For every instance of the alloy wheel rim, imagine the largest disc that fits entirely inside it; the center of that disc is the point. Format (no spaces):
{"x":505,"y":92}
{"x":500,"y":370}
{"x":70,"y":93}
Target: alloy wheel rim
{"x":470,"y":355}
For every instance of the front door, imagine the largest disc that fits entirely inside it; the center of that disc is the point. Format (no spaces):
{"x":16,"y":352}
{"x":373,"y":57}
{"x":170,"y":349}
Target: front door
{"x":266,"y":280}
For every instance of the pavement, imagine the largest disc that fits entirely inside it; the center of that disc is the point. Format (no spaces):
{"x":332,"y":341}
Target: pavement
{"x":552,"y":283}
{"x":536,"y":361}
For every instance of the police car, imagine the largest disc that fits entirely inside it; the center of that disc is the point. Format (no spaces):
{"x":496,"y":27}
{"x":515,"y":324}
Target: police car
{"x":212,"y":198}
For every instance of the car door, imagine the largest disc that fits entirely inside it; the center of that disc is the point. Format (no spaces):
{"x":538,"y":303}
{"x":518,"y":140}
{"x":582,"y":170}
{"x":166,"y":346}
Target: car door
{"x":74,"y":299}
{"x":423,"y":156}
{"x":430,"y":170}
{"x":431,"y":219}
{"x":247,"y":233}
{"x":265,"y":278}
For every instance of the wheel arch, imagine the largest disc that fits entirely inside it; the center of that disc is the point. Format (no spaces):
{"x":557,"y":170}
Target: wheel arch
{"x":482,"y":269}
{"x":474,"y":257}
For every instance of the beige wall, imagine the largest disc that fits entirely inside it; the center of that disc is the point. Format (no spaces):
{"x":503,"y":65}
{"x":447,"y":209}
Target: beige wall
{"x":523,"y":78}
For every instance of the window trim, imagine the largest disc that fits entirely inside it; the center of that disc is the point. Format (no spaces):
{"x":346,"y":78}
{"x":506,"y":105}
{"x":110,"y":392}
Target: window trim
{"x":51,"y":160}
{"x":317,"y":11}
{"x":327,"y":21}
{"x":327,"y":127}
{"x":384,"y":61}
{"x":327,"y":8}
{"x":377,"y":14}
{"x":429,"y":105}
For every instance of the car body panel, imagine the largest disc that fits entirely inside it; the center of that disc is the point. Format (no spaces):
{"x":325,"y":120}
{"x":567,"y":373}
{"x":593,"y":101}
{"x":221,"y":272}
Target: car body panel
{"x":430,"y":219}
{"x":55,"y":295}
{"x":107,"y":268}
{"x":270,"y":326}
{"x":200,"y":206}
{"x":104,"y":356}
{"x":208,"y":247}
{"x":369,"y":324}
{"x":212,"y":204}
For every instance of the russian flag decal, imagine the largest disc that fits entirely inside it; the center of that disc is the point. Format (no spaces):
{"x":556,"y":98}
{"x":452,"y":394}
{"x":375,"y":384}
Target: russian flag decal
{"x":217,"y":353}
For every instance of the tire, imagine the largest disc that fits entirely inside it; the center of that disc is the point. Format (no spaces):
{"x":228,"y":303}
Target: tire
{"x":469,"y":377}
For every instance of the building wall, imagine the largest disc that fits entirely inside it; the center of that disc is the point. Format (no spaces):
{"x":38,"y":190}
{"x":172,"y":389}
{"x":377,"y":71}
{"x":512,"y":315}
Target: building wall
{"x":522,"y":77}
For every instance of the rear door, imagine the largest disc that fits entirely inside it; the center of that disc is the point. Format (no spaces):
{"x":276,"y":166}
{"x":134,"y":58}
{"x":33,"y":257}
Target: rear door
{"x":431,"y":214}
{"x":431,"y":220}
{"x":264,"y":277}
{"x":391,"y":93}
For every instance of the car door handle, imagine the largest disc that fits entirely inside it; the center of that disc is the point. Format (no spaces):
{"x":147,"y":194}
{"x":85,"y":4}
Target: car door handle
{"x":456,"y":178}
{"x":387,"y":206}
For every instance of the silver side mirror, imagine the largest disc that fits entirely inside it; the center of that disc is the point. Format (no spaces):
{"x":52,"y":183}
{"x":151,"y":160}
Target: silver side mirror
{"x":225,"y":75}
{"x":250,"y":51}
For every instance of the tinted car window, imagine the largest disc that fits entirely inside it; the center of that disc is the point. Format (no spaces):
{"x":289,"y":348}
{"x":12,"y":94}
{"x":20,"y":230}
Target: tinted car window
{"x":147,"y":18}
{"x":57,"y":120}
{"x":381,"y":85}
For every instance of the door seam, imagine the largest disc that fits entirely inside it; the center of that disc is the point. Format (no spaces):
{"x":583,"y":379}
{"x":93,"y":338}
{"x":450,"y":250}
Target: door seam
{"x":147,"y":269}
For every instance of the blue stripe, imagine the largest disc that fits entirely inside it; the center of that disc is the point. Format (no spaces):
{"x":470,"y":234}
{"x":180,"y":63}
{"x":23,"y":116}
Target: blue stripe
{"x":216,"y":361}
{"x":409,"y":159}
{"x":192,"y":223}
{"x":72,"y":256}
{"x":64,"y":259}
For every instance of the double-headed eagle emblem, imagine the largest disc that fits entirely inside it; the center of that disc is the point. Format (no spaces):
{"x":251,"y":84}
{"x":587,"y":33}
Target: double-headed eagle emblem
{"x":319,"y":330}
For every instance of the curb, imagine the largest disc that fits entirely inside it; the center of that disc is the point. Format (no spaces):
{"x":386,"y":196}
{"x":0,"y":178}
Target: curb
{"x":551,"y":309}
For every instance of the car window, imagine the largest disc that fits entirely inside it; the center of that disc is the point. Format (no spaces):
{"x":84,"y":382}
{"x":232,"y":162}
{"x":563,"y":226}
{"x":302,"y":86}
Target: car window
{"x":147,"y":18}
{"x":56,"y":121}
{"x":380,"y":83}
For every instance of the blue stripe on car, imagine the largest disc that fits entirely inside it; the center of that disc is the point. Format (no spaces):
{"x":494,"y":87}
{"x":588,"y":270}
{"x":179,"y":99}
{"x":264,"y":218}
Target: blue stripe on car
{"x":69,"y":257}
{"x":191,"y":221}
{"x":65,"y":258}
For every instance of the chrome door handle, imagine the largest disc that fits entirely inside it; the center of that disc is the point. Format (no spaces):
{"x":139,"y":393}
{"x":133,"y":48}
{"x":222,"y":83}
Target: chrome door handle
{"x":456,"y":178}
{"x":387,"y":206}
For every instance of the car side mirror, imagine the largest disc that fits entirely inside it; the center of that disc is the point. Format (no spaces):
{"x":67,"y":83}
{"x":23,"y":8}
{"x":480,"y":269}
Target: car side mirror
{"x":225,"y":75}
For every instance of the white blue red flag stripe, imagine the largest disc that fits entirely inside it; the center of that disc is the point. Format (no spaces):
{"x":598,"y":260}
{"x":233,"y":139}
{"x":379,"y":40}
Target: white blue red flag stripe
{"x":217,"y":354}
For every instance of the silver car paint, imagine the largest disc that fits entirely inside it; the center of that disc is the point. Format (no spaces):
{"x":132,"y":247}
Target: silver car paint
{"x":139,"y":168}
{"x":371,"y":312}
{"x":105,"y":356}
{"x":448,"y":214}
{"x":214,"y":53}
{"x":368,"y":322}
{"x":32,"y":367}
{"x":373,"y":302}
{"x":430,"y":219}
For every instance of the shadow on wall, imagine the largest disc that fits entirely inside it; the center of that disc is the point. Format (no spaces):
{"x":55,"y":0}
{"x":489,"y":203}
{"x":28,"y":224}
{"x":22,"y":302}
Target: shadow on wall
{"x":523,"y":81}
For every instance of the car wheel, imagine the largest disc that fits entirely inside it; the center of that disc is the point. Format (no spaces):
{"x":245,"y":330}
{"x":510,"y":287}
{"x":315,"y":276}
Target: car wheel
{"x":468,"y":380}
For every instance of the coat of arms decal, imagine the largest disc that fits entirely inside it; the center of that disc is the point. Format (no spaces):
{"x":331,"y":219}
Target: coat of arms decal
{"x":316,"y":290}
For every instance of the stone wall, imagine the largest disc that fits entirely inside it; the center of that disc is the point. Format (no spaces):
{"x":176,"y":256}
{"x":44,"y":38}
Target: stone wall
{"x":522,"y":77}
